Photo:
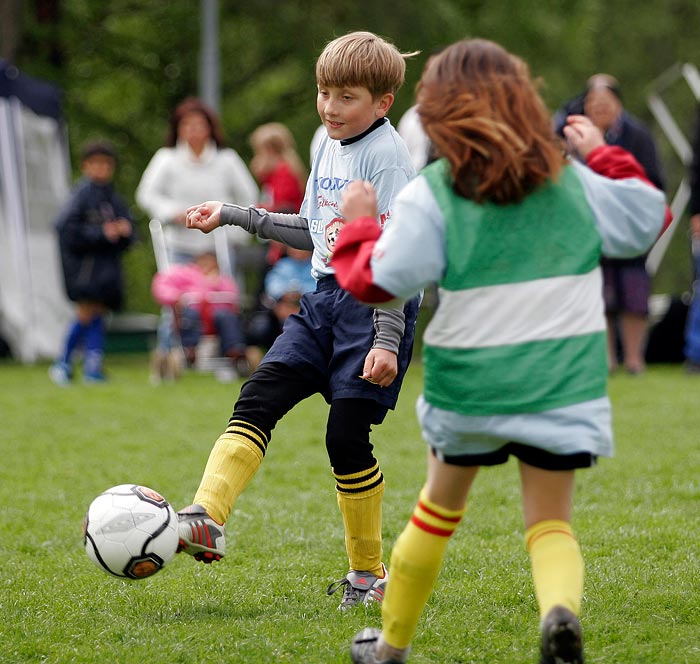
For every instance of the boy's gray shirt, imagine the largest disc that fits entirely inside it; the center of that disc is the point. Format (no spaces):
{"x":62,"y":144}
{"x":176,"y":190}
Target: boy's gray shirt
{"x":379,"y":157}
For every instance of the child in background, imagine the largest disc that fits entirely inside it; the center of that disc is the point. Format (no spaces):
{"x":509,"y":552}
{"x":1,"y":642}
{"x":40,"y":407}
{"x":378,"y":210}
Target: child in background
{"x":354,"y":356}
{"x":278,"y":168}
{"x":285,"y":282}
{"x":205,"y":302}
{"x":94,"y":229}
{"x":515,"y":357}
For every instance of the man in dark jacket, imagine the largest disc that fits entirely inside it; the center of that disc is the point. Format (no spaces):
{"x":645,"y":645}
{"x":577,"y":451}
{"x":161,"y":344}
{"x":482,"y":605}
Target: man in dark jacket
{"x":626,"y":283}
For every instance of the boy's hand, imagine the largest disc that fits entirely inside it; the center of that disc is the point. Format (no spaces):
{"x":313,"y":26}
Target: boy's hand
{"x":381,"y":367}
{"x":359,"y":200}
{"x":124,"y":226}
{"x":112,"y":230}
{"x":204,"y":216}
{"x":582,"y":135}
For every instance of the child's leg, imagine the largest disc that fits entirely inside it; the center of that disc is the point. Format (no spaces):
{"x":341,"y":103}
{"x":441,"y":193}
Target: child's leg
{"x":557,"y":564}
{"x":230,"y":331}
{"x":74,"y":340}
{"x":94,"y":346}
{"x":165,"y":331}
{"x":236,"y":456}
{"x":359,"y":481}
{"x":78,"y":333}
{"x":417,"y":555}
{"x":190,"y":323}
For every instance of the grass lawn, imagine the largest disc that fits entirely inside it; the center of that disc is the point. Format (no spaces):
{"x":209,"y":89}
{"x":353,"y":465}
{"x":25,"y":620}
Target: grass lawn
{"x":637,"y":518}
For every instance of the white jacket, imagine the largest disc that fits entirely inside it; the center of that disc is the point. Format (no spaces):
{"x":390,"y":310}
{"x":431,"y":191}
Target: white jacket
{"x":176,"y":179}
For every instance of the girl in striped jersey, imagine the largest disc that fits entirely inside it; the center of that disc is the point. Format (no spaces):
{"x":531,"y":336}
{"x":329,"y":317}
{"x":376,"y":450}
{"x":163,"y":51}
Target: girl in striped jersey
{"x":515,"y":361}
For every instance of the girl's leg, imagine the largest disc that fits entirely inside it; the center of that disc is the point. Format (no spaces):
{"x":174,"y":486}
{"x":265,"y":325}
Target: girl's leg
{"x":417,"y":556}
{"x":557,"y":565}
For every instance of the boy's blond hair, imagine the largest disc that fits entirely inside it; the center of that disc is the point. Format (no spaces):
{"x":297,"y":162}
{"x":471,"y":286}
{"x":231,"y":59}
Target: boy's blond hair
{"x":362,"y":59}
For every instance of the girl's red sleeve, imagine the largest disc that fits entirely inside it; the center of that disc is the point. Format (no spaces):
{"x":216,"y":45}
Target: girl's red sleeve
{"x":616,"y":163}
{"x":351,"y":260}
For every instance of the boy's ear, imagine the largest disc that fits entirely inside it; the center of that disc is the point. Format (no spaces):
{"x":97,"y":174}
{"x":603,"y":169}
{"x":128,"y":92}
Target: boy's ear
{"x":384,"y":104}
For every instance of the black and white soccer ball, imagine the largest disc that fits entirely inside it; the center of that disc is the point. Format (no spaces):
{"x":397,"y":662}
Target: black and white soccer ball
{"x":130,"y":531}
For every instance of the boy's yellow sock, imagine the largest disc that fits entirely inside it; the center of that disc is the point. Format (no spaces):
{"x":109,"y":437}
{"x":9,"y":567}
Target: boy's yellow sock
{"x":234,"y":459}
{"x":414,"y":568}
{"x":557,"y":565}
{"x":360,"y":501}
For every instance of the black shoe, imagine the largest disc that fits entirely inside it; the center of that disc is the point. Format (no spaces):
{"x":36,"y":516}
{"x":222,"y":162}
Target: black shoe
{"x":562,"y":639}
{"x":364,"y":648}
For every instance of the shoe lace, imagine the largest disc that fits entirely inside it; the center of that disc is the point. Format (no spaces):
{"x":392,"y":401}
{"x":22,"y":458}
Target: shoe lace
{"x":350,"y":593}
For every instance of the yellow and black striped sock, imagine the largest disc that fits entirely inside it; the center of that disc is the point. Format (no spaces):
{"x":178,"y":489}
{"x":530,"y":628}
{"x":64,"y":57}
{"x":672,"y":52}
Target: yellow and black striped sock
{"x":234,"y":459}
{"x":360,"y":501}
{"x":414,"y":568}
{"x":557,"y":565}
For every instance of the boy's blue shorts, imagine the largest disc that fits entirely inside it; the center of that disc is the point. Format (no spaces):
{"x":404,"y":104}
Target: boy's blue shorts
{"x":329,"y":339}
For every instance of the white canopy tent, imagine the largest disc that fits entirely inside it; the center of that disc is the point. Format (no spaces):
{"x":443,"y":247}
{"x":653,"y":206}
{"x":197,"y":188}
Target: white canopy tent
{"x":34,"y":182}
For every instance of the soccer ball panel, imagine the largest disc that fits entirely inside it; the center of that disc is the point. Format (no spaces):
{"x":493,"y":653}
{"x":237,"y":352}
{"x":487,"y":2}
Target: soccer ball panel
{"x":130,"y":531}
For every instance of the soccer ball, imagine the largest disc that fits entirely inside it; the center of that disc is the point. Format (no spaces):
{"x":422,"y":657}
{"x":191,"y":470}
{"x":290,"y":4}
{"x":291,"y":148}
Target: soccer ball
{"x":130,"y":531}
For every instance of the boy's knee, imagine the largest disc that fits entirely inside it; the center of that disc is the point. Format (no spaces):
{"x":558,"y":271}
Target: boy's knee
{"x":347,"y":435}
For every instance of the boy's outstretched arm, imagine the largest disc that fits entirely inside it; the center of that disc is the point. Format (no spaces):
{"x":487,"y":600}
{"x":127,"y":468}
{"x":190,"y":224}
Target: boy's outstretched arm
{"x":289,"y":229}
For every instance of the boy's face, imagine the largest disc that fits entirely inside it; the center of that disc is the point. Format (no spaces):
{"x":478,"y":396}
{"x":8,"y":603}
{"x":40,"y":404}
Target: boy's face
{"x":98,"y":168}
{"x":347,"y":112}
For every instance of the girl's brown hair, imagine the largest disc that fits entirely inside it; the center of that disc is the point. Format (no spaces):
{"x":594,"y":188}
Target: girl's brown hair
{"x":480,"y":108}
{"x":194,"y":105}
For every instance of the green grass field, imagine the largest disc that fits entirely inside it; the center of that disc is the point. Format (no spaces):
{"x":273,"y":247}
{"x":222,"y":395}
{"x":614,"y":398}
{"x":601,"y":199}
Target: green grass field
{"x":637,"y":518}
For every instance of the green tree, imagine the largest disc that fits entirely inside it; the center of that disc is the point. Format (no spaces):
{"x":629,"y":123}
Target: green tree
{"x":124,"y":65}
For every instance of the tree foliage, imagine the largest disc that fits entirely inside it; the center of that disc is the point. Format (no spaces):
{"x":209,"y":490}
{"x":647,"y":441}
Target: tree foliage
{"x":124,"y":64}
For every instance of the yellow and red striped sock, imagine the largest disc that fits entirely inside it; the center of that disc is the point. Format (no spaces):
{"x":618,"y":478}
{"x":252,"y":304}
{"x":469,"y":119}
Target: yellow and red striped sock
{"x":557,"y":565}
{"x":233,"y":461}
{"x":414,"y":568}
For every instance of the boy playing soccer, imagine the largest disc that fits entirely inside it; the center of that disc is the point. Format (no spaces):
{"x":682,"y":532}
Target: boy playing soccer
{"x":354,"y":356}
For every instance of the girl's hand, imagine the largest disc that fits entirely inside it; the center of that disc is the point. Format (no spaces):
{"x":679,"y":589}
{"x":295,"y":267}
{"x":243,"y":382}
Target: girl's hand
{"x":582,"y":135}
{"x":204,"y":216}
{"x":359,"y":200}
